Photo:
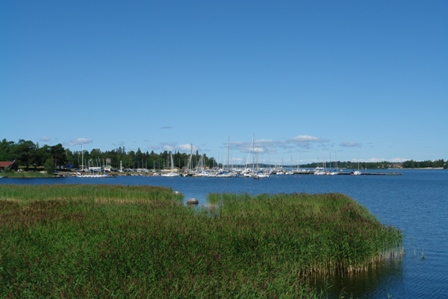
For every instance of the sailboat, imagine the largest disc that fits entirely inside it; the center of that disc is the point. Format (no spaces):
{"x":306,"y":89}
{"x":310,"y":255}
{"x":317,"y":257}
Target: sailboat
{"x":171,"y":173}
{"x":226,"y":171}
{"x":357,"y":172}
{"x":189,"y":171}
{"x":94,"y":172}
{"x":334,"y":171}
{"x":200,"y":168}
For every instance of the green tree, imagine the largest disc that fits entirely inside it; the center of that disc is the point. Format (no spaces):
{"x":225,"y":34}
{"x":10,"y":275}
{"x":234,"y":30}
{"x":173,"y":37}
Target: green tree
{"x":49,"y":165}
{"x":6,"y":148}
{"x":70,"y":158}
{"x":438,"y":163}
{"x":25,"y":151}
{"x":58,"y":154}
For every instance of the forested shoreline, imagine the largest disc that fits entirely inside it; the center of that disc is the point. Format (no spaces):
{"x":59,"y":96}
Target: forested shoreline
{"x":31,"y":156}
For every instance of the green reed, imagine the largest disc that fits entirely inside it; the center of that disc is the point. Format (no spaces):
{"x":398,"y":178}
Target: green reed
{"x":141,"y":242}
{"x":100,"y":193}
{"x":26,"y":175}
{"x":327,"y":233}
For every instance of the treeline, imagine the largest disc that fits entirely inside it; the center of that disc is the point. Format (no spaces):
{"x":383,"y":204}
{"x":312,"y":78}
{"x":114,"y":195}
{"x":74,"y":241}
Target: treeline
{"x":381,"y":165}
{"x":31,"y":156}
{"x":425,"y":164}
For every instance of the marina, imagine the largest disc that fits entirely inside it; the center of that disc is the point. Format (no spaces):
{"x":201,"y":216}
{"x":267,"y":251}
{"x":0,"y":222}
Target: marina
{"x":255,"y":173}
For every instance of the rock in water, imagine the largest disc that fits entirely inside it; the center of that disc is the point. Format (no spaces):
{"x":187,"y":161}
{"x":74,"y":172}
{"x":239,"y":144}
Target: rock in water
{"x":192,"y":201}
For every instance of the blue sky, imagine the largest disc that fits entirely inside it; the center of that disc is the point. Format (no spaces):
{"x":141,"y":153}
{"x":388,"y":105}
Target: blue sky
{"x":307,"y":80}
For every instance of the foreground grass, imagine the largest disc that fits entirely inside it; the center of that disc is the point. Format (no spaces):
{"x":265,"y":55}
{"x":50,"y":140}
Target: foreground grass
{"x":141,"y":242}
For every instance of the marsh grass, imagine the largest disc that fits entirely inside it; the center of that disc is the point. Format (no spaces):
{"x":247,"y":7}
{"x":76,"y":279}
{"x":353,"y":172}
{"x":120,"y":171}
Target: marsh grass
{"x":142,"y":242}
{"x":325,"y":233}
{"x":26,"y":174}
{"x":25,"y":194}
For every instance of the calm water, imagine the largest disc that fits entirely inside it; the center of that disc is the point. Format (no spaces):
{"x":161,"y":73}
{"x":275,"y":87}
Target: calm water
{"x":415,"y":202}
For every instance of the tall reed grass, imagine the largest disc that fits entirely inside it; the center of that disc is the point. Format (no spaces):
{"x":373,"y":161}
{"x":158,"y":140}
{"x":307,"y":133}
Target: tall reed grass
{"x":329,"y":233}
{"x":100,"y":193}
{"x":141,"y":242}
{"x":26,"y":174}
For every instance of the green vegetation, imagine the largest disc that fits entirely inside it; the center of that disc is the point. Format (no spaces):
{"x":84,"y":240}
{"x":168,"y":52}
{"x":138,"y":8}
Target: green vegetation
{"x":425,"y":164}
{"x":142,"y":242}
{"x":26,"y":194}
{"x":31,"y":156}
{"x":49,"y":165}
{"x":26,"y":175}
{"x":441,"y":163}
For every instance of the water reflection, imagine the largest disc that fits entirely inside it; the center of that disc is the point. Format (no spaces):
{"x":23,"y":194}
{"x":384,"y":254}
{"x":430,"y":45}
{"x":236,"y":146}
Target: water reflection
{"x":369,"y":284}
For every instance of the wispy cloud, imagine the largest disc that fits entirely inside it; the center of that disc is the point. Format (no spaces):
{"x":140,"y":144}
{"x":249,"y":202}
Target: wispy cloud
{"x":375,"y":160}
{"x":166,"y":127}
{"x":168,"y":147}
{"x":399,"y":160}
{"x":305,"y":138}
{"x":259,"y":146}
{"x":306,"y":141}
{"x":350,"y":144}
{"x":45,"y":139}
{"x":259,"y":150}
{"x":267,"y":146}
{"x":186,"y":148}
{"x":79,"y":141}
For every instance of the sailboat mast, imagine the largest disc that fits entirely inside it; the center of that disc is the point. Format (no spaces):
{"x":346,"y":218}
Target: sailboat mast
{"x":82,"y":157}
{"x":228,"y":158}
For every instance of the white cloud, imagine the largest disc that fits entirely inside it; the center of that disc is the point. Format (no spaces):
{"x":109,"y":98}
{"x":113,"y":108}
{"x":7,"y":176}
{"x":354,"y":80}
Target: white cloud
{"x":45,"y":139}
{"x":305,"y":138}
{"x":173,"y":147}
{"x":375,"y":160}
{"x":80,"y":141}
{"x":272,"y":147}
{"x":399,"y":160}
{"x":259,"y":146}
{"x":168,"y":147}
{"x":186,"y":148}
{"x":258,"y":150}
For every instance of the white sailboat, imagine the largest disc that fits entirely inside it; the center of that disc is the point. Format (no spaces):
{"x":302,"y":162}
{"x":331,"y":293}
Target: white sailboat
{"x":171,"y":173}
{"x":201,"y":169}
{"x":357,"y":172}
{"x":189,"y":170}
{"x":319,"y":171}
{"x":94,"y":172}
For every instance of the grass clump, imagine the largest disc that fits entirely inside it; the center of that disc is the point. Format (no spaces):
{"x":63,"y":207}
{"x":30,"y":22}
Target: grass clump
{"x":324,"y":233}
{"x":25,"y":194}
{"x":25,"y":175}
{"x":142,"y":242}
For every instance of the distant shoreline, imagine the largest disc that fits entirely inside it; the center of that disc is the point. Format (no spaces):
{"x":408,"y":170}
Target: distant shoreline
{"x":423,"y":168}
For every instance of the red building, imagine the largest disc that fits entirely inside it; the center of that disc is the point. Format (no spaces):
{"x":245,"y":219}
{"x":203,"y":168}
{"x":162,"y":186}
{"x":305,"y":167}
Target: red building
{"x":7,"y":165}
